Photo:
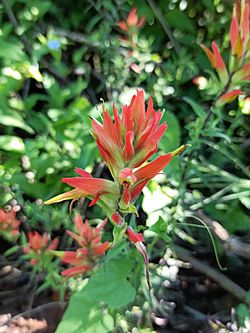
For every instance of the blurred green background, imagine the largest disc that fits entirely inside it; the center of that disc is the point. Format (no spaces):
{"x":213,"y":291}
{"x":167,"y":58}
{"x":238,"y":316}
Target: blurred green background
{"x":60,"y":59}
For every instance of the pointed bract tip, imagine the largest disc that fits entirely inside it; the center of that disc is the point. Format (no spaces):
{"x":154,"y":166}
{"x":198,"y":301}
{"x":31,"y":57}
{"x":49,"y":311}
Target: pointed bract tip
{"x":179,"y":150}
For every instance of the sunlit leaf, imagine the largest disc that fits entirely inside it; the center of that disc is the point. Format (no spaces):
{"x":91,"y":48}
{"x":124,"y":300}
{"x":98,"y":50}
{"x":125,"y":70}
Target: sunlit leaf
{"x":12,"y":143}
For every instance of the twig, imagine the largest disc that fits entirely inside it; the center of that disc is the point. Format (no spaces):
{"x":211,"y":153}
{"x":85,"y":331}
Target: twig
{"x":52,"y":306}
{"x":75,"y":37}
{"x":218,"y":277}
{"x":231,"y":243}
{"x":164,"y":24}
{"x":195,"y":313}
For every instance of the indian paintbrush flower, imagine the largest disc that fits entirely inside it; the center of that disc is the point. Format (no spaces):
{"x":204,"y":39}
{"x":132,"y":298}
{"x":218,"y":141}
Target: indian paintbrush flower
{"x":238,"y":69}
{"x":132,"y":22}
{"x":9,"y":225}
{"x":216,"y":61}
{"x":239,"y":30}
{"x":91,"y":247}
{"x":39,"y":245}
{"x":125,"y":143}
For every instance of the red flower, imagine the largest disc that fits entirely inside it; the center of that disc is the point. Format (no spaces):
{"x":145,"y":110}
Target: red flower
{"x":125,"y":143}
{"x":37,"y":245}
{"x":240,"y":41}
{"x":89,"y":239}
{"x":239,"y":30}
{"x":216,"y":61}
{"x":132,"y":21}
{"x":9,"y":225}
{"x":132,"y":139}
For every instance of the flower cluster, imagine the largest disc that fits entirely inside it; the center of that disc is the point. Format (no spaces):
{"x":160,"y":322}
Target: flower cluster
{"x":132,"y":22}
{"x":126,"y":142}
{"x":89,"y":240}
{"x":9,"y":225}
{"x":38,"y":246}
{"x":238,"y":69}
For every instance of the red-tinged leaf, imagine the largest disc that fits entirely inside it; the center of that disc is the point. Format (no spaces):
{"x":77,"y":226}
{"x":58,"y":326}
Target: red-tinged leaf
{"x":96,"y":198}
{"x":70,"y":195}
{"x":133,"y":236}
{"x":76,"y":237}
{"x":137,"y":107}
{"x":238,"y":47}
{"x":218,"y":60}
{"x":92,"y":186}
{"x":137,"y":240}
{"x":136,"y":190}
{"x":229,"y":97}
{"x":106,"y":155}
{"x":76,"y":270}
{"x":74,"y":257}
{"x":78,"y":223}
{"x":123,"y":25}
{"x":117,"y":219}
{"x":153,"y":168}
{"x":132,"y":18}
{"x":141,"y":22}
{"x":142,"y":249}
{"x":127,"y":120}
{"x":241,"y":74}
{"x":101,"y":225}
{"x":128,"y":151}
{"x":135,"y":163}
{"x":117,"y":127}
{"x":100,"y":249}
{"x":234,"y":31}
{"x":126,"y":196}
{"x":36,"y":241}
{"x":246,"y":78}
{"x":108,"y":125}
{"x":54,"y":243}
{"x":209,"y":54}
{"x":245,"y":23}
{"x":83,"y":173}
{"x":147,"y":172}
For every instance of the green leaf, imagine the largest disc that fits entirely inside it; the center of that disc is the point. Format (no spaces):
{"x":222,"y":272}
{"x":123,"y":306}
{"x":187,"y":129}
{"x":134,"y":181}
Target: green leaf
{"x":109,"y":285}
{"x":209,"y":4}
{"x":118,"y":233}
{"x":216,"y":132}
{"x":83,"y":315}
{"x":160,"y":228}
{"x":172,"y":137}
{"x":12,"y":143}
{"x":170,"y":141}
{"x":196,"y":107}
{"x":16,"y":121}
{"x":231,"y":216}
{"x":11,"y":51}
{"x":179,"y":21}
